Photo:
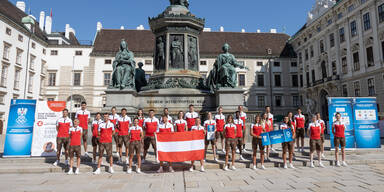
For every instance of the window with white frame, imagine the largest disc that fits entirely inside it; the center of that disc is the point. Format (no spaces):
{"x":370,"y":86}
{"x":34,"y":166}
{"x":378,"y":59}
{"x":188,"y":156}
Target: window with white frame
{"x":345,"y":90}
{"x":107,"y":79}
{"x":77,"y":79}
{"x":332,"y":40}
{"x":19,"y":56}
{"x":43,"y":66}
{"x":6,"y":51}
{"x":51,"y":79}
{"x":260,"y":80}
{"x":295,"y":80}
{"x":30,"y":82}
{"x":370,"y":58}
{"x":32,"y":62}
{"x":241,"y":80}
{"x":78,"y":53}
{"x":341,"y":35}
{"x":16,"y":84}
{"x":353,"y":27}
{"x":296,"y":100}
{"x":260,"y":101}
{"x":278,"y":101}
{"x":356,"y":61}
{"x":8,"y":31}
{"x":381,"y":12}
{"x":259,"y":63}
{"x":356,"y":86}
{"x":277,"y":79}
{"x":20,"y":38}
{"x":4,"y":75}
{"x":366,"y":21}
{"x":371,"y":87}
{"x":344,"y":65}
{"x":54,"y":52}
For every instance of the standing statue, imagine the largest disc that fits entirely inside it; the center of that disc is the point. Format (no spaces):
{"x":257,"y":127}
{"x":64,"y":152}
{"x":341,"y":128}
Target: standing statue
{"x":224,"y":72}
{"x":160,"y":53}
{"x":140,"y":80}
{"x":123,"y":75}
{"x":192,"y":53}
{"x":184,"y":3}
{"x":177,"y":53}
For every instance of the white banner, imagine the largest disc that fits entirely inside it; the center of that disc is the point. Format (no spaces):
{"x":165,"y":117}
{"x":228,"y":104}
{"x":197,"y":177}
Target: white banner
{"x":44,"y":131}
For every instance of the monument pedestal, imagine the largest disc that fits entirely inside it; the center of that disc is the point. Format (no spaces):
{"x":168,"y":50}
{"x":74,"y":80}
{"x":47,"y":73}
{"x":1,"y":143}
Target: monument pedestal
{"x":229,"y":98}
{"x":121,"y":99}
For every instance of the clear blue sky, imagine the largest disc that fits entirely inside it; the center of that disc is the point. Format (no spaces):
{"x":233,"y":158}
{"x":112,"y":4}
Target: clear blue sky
{"x":234,"y":15}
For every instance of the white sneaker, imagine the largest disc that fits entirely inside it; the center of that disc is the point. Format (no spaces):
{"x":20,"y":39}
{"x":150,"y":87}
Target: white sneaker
{"x":225,"y":168}
{"x":223,"y":151}
{"x":274,"y":150}
{"x":344,"y":164}
{"x":160,"y":170}
{"x":338,"y":164}
{"x":202,"y":169}
{"x":323,"y":156}
{"x":237,"y":151}
{"x":291,"y":166}
{"x":321,"y":165}
{"x":262,"y":167}
{"x":214,"y":159}
{"x":77,"y":171}
{"x":191,"y":169}
{"x":233,"y":168}
{"x":171,"y":170}
{"x":127,"y":161}
{"x":129,"y":171}
{"x":138,"y":171}
{"x":97,"y":171}
{"x":285,"y":166}
{"x":111,"y":171}
{"x":254,"y":167}
{"x":70,"y":172}
{"x":66,"y":162}
{"x":242,"y":158}
{"x":56,"y":163}
{"x":312,"y":165}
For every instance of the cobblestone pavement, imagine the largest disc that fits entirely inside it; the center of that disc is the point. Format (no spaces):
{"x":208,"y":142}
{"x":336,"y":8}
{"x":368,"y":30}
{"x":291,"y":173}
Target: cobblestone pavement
{"x":349,"y":179}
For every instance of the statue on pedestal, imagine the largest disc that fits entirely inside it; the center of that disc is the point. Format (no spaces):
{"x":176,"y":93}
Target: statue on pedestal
{"x":192,"y":53}
{"x":224,"y":72}
{"x":160,"y":54}
{"x":123,"y":75}
{"x":140,"y":80}
{"x":184,"y":3}
{"x":177,"y":53}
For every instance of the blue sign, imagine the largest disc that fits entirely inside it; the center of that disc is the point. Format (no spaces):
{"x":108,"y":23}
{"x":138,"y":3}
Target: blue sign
{"x":275,"y":137}
{"x":18,"y":139}
{"x":366,"y":123}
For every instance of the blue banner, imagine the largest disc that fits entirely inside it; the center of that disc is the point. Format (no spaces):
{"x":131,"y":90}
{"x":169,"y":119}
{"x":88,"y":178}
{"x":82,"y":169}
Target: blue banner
{"x":275,"y":137}
{"x":18,"y":139}
{"x":366,"y":123}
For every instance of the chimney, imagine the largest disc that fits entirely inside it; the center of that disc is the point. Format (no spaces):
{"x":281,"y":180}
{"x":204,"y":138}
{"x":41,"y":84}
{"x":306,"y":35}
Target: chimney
{"x":243,"y":30}
{"x":48,"y":24}
{"x":221,"y":29}
{"x":273,"y":31}
{"x":207,"y":29}
{"x":140,"y":27}
{"x":122,"y":27}
{"x":258,"y":31}
{"x":41,"y":20}
{"x":99,"y":26}
{"x":21,"y":5}
{"x":67,"y":28}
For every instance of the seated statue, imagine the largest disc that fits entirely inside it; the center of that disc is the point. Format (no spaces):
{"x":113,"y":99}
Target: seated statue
{"x":224,"y":72}
{"x":123,"y":75}
{"x":140,"y":80}
{"x":184,"y":3}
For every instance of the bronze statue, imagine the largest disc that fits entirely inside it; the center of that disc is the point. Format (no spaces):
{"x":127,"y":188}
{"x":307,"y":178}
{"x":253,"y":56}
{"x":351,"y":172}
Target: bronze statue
{"x":192,"y":53}
{"x":224,"y":72}
{"x":140,"y":80}
{"x":184,"y":3}
{"x":160,"y":54}
{"x":123,"y":75}
{"x":177,"y":53}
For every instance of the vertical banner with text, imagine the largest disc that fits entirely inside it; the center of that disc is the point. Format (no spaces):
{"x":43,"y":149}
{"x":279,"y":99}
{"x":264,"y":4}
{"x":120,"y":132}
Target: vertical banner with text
{"x":366,"y":123}
{"x":44,"y":132}
{"x":18,"y":137}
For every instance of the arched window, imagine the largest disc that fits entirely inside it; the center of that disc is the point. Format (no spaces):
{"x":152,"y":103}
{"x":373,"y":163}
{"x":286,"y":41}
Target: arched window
{"x":74,"y":102}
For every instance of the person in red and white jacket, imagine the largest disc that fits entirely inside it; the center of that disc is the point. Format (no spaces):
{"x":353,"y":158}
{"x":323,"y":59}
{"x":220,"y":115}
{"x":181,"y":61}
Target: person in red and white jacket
{"x":271,"y":128}
{"x":180,"y":124}
{"x":255,"y":131}
{"x":151,"y":124}
{"x":322,"y":123}
{"x":314,"y":131}
{"x":198,"y":127}
{"x":62,"y":140}
{"x":84,"y":116}
{"x":114,"y":118}
{"x":292,"y":121}
{"x":123,"y":124}
{"x":338,"y":130}
{"x":268,"y":128}
{"x":136,"y":136}
{"x":166,"y":112}
{"x":230,"y":141}
{"x":191,"y":117}
{"x":75,"y":134}
{"x":220,"y":122}
{"x":106,"y":131}
{"x":300,"y":130}
{"x":210,"y":122}
{"x":95,"y":135}
{"x":165,"y":127}
{"x":239,"y":136}
{"x":243,"y":117}
{"x":140,"y":117}
{"x":288,"y":146}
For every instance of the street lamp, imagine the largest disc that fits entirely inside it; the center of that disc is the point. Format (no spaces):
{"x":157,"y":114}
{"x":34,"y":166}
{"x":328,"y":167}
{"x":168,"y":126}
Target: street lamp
{"x":29,"y":22}
{"x":269,"y":53}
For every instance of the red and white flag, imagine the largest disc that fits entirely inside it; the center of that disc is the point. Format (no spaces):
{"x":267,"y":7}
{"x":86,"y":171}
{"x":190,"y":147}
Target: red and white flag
{"x":180,"y":146}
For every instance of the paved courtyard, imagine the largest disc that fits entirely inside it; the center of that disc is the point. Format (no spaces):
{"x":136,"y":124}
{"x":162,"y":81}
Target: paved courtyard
{"x":352,"y":178}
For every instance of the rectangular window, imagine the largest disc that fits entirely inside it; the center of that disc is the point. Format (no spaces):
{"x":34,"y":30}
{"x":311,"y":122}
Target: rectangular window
{"x":33,"y":45}
{"x":296,"y":100}
{"x":276,"y":64}
{"x":307,"y":78}
{"x":16,"y":84}
{"x":277,"y":80}
{"x":6,"y":51}
{"x":54,"y":52}
{"x":356,"y":61}
{"x":367,"y":21}
{"x":351,"y":8}
{"x":52,"y":79}
{"x":241,"y":80}
{"x":8,"y":31}
{"x":20,"y":38}
{"x":260,"y":80}
{"x":334,"y":68}
{"x":306,"y":55}
{"x":32,"y":62}
{"x":107,"y":61}
{"x":78,"y":53}
{"x":259,"y":64}
{"x":345,"y":90}
{"x":322,"y":48}
{"x":19,"y":54}
{"x":50,"y":99}
{"x":293,"y":64}
{"x":203,"y":62}
{"x":300,"y":58}
{"x":332,"y":40}
{"x":370,"y":59}
{"x":353,"y":28}
{"x":311,"y":52}
{"x":43,"y":67}
{"x":356,"y":86}
{"x":344,"y":65}
{"x":107,"y":79}
{"x":295,"y":81}
{"x":371,"y":87}
{"x":76,"y":79}
{"x":4,"y":76}
{"x":278,"y":101}
{"x":148,"y":62}
{"x":260,"y":101}
{"x":301,"y":81}
{"x":30,"y":83}
{"x":381,"y":13}
{"x":313,"y":76}
{"x":44,"y":51}
{"x":342,"y":35}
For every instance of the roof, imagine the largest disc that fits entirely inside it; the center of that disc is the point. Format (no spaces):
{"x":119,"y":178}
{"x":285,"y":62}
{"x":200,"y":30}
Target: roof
{"x":242,"y":44}
{"x":15,"y":14}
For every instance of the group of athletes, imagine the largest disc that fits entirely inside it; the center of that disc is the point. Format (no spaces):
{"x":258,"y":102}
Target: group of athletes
{"x":139,"y":133}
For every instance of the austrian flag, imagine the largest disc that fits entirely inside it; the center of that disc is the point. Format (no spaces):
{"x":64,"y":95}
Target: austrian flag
{"x":180,"y":146}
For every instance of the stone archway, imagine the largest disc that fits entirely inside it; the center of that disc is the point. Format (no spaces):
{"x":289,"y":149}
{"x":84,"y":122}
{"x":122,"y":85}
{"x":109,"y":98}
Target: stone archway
{"x":324,"y":104}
